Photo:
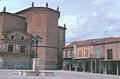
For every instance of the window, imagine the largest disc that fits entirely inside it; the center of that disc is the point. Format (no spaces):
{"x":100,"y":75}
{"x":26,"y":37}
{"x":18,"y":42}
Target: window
{"x":22,"y":38}
{"x":22,"y":49}
{"x":80,"y":53}
{"x":10,"y":48}
{"x":12,"y":36}
{"x":109,"y":54}
{"x":97,"y":53}
{"x":86,"y":52}
{"x":66,"y":55}
{"x":71,"y":53}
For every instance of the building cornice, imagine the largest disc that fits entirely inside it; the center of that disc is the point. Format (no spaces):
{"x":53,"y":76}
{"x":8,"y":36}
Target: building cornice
{"x":2,"y":13}
{"x":33,"y":8}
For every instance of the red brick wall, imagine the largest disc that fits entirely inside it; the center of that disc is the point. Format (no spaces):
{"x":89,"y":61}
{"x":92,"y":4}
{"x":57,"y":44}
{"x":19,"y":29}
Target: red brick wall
{"x":115,"y":49}
{"x":114,"y":46}
{"x":98,"y":47}
{"x":44,"y":22}
{"x":83,"y":50}
{"x":1,"y":24}
{"x":69,"y":51}
{"x":12,"y":22}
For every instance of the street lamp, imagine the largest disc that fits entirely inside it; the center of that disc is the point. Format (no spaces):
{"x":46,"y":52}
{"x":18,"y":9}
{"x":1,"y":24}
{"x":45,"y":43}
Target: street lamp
{"x":36,"y":39}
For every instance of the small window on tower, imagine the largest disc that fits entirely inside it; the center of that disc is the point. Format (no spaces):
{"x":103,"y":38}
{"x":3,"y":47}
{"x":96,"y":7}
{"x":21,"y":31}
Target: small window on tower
{"x":22,"y":38}
{"x":12,"y":36}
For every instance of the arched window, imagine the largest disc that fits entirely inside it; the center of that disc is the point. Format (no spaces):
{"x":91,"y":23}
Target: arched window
{"x":12,"y":36}
{"x":22,"y":38}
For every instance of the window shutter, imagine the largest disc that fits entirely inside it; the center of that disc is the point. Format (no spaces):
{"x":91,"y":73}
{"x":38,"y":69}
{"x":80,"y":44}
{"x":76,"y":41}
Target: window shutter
{"x":80,"y":53}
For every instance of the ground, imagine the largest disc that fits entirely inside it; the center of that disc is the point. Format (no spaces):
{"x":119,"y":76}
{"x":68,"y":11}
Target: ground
{"x":59,"y":74}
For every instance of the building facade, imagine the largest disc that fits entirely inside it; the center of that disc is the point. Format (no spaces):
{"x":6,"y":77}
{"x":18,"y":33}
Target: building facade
{"x":95,"y":55}
{"x":17,"y":29}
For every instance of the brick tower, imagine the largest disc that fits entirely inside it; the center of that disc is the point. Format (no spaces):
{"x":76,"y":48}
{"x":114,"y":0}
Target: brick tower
{"x":43,"y":21}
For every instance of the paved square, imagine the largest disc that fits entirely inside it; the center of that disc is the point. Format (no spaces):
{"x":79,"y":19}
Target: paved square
{"x":59,"y":74}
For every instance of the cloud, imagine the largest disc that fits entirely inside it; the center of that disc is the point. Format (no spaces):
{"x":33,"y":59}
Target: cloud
{"x":99,"y":3}
{"x":74,"y":26}
{"x":101,"y":23}
{"x":84,"y":19}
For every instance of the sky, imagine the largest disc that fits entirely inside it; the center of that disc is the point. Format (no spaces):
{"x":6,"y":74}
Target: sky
{"x":84,"y":19}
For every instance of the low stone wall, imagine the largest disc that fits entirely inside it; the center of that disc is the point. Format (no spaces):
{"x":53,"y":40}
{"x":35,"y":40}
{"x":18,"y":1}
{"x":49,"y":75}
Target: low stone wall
{"x":16,"y":64}
{"x":1,"y":64}
{"x":15,"y":61}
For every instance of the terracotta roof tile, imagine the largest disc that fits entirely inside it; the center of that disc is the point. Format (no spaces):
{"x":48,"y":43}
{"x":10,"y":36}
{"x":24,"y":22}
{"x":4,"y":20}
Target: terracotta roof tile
{"x":110,"y":39}
{"x":99,"y":40}
{"x":77,"y":42}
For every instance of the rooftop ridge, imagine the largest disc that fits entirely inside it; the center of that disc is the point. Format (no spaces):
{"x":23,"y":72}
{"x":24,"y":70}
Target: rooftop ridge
{"x":30,"y":8}
{"x":90,"y":41}
{"x":12,"y":14}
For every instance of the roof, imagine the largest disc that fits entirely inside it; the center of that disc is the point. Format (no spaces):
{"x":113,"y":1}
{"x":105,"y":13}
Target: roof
{"x":1,"y":13}
{"x":93,"y":41}
{"x":62,"y":27}
{"x":77,"y":42}
{"x":32,"y":8}
{"x":71,"y":44}
{"x":18,"y":30}
{"x":108,"y":40}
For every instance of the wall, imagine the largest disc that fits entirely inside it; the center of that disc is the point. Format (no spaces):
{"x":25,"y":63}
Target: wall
{"x":1,"y":62}
{"x":61,"y":45}
{"x":101,"y":47}
{"x":113,"y":46}
{"x":115,"y":49}
{"x":1,"y":25}
{"x":44,"y":22}
{"x":69,"y":50}
{"x":11,"y":22}
{"x":21,"y":61}
{"x":83,"y":50}
{"x":52,"y":38}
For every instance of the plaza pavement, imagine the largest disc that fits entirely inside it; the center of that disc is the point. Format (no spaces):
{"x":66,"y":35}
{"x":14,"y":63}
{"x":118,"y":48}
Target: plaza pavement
{"x":59,"y":74}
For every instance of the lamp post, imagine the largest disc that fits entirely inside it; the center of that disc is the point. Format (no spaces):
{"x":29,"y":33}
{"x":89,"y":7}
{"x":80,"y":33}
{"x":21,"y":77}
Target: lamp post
{"x":36,"y":40}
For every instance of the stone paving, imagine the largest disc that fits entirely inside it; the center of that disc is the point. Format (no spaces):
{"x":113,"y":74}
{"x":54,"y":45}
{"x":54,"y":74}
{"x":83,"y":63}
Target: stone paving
{"x":59,"y":74}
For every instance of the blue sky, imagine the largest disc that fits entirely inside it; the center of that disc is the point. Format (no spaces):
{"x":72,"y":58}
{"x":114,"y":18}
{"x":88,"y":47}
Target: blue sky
{"x":85,"y":19}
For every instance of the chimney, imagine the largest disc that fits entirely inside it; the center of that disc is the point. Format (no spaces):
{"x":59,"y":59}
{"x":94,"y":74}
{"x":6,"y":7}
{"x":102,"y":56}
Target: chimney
{"x":4,"y":9}
{"x":47,"y":5}
{"x":57,"y":8}
{"x":64,"y":25}
{"x":32,"y":4}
